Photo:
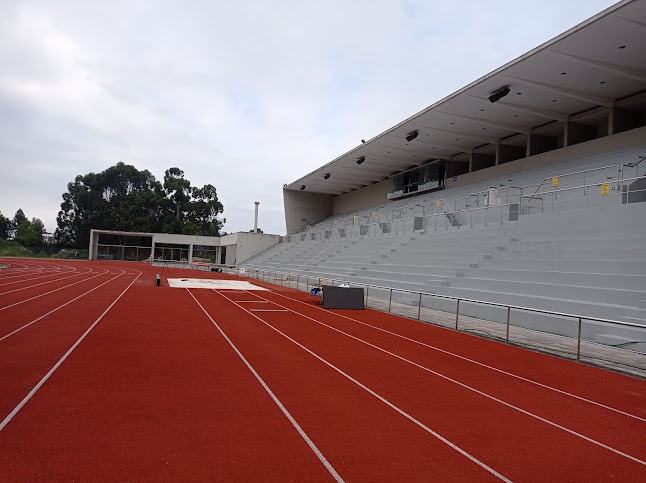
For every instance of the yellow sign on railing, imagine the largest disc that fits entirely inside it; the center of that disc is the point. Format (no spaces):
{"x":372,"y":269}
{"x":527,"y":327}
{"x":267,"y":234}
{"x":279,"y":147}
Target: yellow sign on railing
{"x":437,"y":203}
{"x":555,"y":181}
{"x":605,"y":189}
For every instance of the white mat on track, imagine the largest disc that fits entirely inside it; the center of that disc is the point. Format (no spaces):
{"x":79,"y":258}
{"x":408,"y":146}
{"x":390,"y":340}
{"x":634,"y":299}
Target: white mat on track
{"x":212,"y":283}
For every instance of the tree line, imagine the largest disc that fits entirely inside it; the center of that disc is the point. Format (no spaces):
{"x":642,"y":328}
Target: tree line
{"x":125,"y":199}
{"x":22,"y":230}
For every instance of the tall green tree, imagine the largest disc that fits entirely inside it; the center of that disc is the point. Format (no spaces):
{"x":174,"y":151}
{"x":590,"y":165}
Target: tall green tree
{"x":6,"y":228}
{"x":126,"y":199}
{"x":30,"y":233}
{"x":18,"y":218}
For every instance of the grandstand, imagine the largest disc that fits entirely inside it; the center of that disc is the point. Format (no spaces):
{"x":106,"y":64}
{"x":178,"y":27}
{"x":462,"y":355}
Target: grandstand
{"x":524,"y":189}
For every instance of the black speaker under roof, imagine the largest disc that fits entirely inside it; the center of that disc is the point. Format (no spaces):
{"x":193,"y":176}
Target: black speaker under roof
{"x":412,"y":135}
{"x":361,"y":159}
{"x":499,"y":94}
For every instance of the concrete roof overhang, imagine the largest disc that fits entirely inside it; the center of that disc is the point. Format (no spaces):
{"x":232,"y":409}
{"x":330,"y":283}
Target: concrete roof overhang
{"x":598,"y":64}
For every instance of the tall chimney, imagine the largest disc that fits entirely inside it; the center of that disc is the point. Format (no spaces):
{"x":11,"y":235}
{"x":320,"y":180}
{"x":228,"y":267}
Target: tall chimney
{"x":255,"y":222}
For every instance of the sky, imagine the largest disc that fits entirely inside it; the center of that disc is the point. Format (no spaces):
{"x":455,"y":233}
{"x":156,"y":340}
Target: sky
{"x":245,"y":95}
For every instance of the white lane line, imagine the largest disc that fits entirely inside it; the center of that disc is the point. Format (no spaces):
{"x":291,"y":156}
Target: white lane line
{"x":252,"y":301}
{"x":473,"y":389}
{"x":280,"y":405}
{"x":268,"y":310}
{"x":60,"y":361}
{"x":381,"y":398}
{"x":57,"y":308}
{"x":44,"y":283}
{"x":481,"y":364}
{"x":27,"y":278}
{"x":52,"y":291}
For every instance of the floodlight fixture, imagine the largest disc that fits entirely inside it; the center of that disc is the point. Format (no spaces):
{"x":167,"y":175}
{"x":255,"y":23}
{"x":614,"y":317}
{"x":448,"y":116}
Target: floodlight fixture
{"x":327,"y":176}
{"x":412,"y":135}
{"x":363,"y":141}
{"x":302,"y":187}
{"x":361,"y":159}
{"x":499,"y":94}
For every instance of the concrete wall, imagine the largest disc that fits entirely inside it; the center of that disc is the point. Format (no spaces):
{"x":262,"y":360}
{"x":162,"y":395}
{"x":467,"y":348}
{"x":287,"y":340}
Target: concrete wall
{"x":372,"y":195}
{"x":213,"y":241}
{"x":299,"y":205}
{"x":250,"y":244}
{"x":231,"y":255}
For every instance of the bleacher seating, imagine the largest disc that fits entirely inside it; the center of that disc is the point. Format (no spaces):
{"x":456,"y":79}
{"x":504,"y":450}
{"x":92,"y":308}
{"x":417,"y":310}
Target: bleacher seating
{"x":588,"y":261}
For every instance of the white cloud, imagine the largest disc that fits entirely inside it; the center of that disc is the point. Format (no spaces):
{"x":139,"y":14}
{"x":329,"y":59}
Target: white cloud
{"x":244,"y":95}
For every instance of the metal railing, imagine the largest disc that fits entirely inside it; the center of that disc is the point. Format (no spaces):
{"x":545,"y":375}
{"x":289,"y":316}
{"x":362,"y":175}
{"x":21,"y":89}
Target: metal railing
{"x":576,"y":335}
{"x":444,"y":216}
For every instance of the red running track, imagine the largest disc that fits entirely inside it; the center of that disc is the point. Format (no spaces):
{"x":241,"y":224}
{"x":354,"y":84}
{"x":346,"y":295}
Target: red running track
{"x":125,"y":380}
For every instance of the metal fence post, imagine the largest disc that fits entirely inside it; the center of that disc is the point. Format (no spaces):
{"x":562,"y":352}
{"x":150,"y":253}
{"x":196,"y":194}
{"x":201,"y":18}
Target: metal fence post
{"x":297,"y":280}
{"x":578,"y":345}
{"x":419,"y":307}
{"x":390,"y":300}
{"x":508,"y":311}
{"x":457,"y":314}
{"x":367,"y":291}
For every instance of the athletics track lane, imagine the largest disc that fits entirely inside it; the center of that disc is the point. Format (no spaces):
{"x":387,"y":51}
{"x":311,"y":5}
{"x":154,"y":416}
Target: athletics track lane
{"x":511,"y":442}
{"x":30,"y":304}
{"x":23,"y":283}
{"x":362,"y":438}
{"x":36,"y":462}
{"x":613,"y":428}
{"x":28,"y":354}
{"x":154,"y":393}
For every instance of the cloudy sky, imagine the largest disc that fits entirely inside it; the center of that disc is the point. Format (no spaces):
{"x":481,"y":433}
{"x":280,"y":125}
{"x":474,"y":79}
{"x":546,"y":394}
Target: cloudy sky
{"x":245,"y":95}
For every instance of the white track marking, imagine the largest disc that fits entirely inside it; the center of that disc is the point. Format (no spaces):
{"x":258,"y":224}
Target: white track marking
{"x":268,"y":310}
{"x":57,"y":308}
{"x":26,"y":277}
{"x":370,"y":391}
{"x":52,"y":291}
{"x":49,"y":281}
{"x":280,"y":405}
{"x":470,"y":388}
{"x":545,"y":386}
{"x":252,"y":301}
{"x":60,"y":361}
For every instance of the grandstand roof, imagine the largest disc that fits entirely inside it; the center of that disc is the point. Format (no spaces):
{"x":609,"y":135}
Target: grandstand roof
{"x":575,"y":76}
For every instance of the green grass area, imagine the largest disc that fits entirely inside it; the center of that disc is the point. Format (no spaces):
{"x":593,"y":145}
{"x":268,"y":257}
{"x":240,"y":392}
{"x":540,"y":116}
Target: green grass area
{"x":9,"y":248}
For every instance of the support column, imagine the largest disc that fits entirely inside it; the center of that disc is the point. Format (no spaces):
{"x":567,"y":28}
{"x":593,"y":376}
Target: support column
{"x":190,"y":254}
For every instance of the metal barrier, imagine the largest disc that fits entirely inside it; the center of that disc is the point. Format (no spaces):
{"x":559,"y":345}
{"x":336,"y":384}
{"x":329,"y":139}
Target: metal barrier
{"x":440,"y":215}
{"x":569,"y":335}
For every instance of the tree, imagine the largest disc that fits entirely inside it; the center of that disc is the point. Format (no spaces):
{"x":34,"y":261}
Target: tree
{"x":6,"y":228}
{"x":30,"y":233}
{"x":178,"y":189}
{"x":18,"y":218}
{"x":119,"y":198}
{"x":126,"y":199}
